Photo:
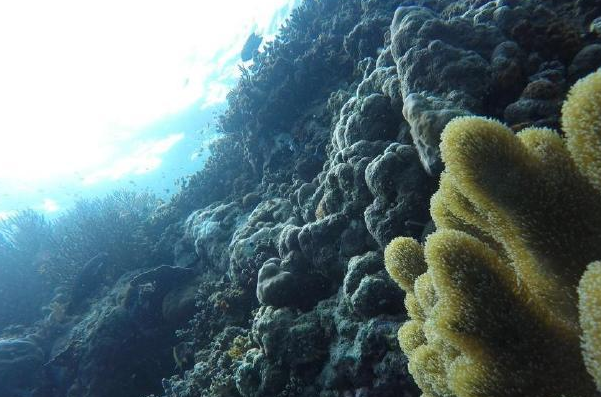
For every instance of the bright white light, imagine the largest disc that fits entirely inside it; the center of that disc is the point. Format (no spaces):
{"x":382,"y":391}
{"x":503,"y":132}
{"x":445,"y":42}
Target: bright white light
{"x":50,"y":205}
{"x":80,"y":79}
{"x":145,"y":159}
{"x":215,"y":93}
{"x":6,"y":214}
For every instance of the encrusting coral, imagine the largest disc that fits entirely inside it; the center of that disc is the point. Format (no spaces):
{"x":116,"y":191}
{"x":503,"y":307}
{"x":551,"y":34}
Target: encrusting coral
{"x":493,"y":299}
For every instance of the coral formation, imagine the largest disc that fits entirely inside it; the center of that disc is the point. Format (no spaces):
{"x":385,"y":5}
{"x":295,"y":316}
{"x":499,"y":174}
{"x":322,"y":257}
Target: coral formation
{"x":264,"y":276}
{"x":589,"y":292}
{"x":496,"y":311}
{"x":582,"y":123}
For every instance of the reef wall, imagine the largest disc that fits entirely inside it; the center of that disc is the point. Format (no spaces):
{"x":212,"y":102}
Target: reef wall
{"x":330,"y":150}
{"x":313,"y":243}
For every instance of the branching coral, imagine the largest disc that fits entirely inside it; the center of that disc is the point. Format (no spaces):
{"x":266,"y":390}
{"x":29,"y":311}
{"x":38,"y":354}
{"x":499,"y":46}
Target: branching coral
{"x":24,"y":237}
{"x":113,"y":224}
{"x":519,"y":220}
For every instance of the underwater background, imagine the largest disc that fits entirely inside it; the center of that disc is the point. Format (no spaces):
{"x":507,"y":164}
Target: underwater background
{"x":350,"y":198}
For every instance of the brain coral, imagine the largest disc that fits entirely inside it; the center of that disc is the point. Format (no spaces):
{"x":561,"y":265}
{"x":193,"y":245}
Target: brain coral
{"x":493,"y":296}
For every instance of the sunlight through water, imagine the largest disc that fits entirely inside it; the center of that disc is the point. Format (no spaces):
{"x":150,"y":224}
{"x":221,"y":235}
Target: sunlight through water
{"x":83,"y":83}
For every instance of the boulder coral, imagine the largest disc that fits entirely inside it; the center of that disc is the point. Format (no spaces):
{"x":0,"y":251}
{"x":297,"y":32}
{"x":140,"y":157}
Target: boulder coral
{"x":493,"y":296}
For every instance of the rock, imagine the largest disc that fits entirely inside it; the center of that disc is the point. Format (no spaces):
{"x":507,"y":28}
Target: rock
{"x":428,"y":117}
{"x":88,"y":279}
{"x":538,"y":105}
{"x":20,"y":364}
{"x":180,"y":303}
{"x":121,"y":335}
{"x":400,"y":188}
{"x":211,"y":230}
{"x":586,"y":61}
{"x":595,"y":26}
{"x":368,"y":288}
{"x":276,"y":287}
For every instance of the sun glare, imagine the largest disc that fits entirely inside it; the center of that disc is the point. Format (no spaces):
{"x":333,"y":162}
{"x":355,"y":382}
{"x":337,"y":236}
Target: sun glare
{"x":80,"y":80}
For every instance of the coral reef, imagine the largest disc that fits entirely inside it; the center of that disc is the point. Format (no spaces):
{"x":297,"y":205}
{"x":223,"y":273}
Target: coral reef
{"x":370,"y":189}
{"x":124,"y":333}
{"x":492,"y":297}
{"x":264,"y":275}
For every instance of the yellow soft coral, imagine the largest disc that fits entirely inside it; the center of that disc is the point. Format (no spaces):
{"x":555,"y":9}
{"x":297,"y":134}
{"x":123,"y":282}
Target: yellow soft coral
{"x":495,"y":310}
{"x":410,"y":253}
{"x":580,"y":119}
{"x":590,"y":319}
